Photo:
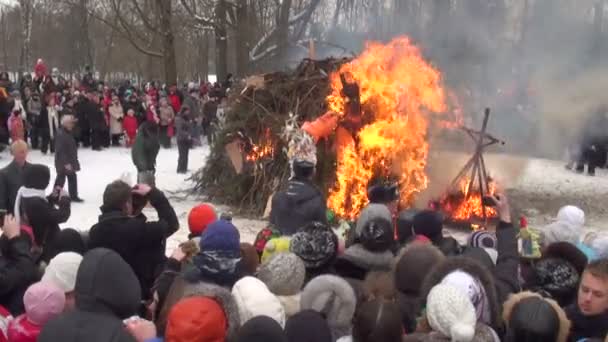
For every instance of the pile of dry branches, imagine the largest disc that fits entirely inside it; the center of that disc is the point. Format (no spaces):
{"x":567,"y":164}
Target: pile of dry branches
{"x":258,"y":113}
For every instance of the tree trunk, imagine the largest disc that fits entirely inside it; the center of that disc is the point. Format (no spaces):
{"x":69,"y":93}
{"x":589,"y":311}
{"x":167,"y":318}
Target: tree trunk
{"x":221,"y":41}
{"x":203,"y":57}
{"x":283,"y":31}
{"x":5,"y":33}
{"x":26,"y":26}
{"x":168,"y":41}
{"x":242,"y":38}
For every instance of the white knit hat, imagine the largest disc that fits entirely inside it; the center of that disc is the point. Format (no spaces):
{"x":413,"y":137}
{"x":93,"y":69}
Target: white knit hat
{"x":450,"y":312}
{"x":254,"y":299}
{"x":62,"y":270}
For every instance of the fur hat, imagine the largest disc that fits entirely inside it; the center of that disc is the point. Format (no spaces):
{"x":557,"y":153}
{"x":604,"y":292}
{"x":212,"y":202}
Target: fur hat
{"x":430,"y":224}
{"x":412,"y":265}
{"x":200,"y":217}
{"x":569,"y":252}
{"x":450,"y":312}
{"x":530,"y":317}
{"x":284,"y":274}
{"x":556,"y":278}
{"x":36,"y":176}
{"x":261,"y":329}
{"x":43,"y":301}
{"x":62,"y":270}
{"x":220,"y":235}
{"x":196,"y":319}
{"x":254,"y":299}
{"x":334,"y":298}
{"x":308,"y":326}
{"x":316,"y":244}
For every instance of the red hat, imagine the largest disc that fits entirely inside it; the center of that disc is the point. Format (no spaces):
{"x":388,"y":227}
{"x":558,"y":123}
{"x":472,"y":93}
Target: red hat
{"x":196,"y":319}
{"x":200,"y":217}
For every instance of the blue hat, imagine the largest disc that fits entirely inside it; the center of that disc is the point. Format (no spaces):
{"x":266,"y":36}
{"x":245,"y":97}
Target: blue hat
{"x":220,"y":235}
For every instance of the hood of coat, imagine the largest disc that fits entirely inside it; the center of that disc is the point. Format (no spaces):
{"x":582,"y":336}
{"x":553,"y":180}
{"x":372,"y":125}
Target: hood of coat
{"x":254,"y":299}
{"x":291,"y":304}
{"x":474,"y":269}
{"x":509,"y":313}
{"x":105,"y":283}
{"x":357,"y":261}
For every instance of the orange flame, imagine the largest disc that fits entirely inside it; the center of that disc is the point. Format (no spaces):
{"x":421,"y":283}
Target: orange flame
{"x":264,"y":149}
{"x":464,"y":206}
{"x":398,"y":92}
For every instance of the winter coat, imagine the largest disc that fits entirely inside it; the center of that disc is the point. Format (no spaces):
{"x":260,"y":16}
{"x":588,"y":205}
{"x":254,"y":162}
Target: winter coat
{"x":17,"y":128}
{"x":192,"y":102}
{"x":175,"y":101}
{"x":107,"y":292}
{"x":129,"y":124}
{"x":166,"y":115}
{"x":34,"y":107}
{"x":140,"y":243}
{"x":11,"y":179}
{"x":183,"y":131}
{"x":138,"y":108}
{"x":66,"y":151}
{"x":94,"y":115}
{"x":44,"y":217}
{"x":298,"y":205}
{"x":183,"y":289}
{"x":116,"y":117}
{"x":586,"y":326}
{"x":17,"y":272}
{"x":22,"y":330}
{"x":49,"y":120}
{"x":144,"y":151}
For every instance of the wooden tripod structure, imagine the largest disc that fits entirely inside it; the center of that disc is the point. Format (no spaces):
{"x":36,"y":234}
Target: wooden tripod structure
{"x":476,"y":166}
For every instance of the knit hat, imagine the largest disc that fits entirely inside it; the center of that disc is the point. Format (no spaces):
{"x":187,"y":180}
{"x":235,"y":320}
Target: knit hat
{"x":200,"y":217}
{"x":372,"y":212}
{"x":555,"y":278}
{"x":284,"y":274}
{"x":220,"y":235}
{"x":274,"y":246}
{"x":316,"y":244}
{"x":568,"y":226}
{"x":405,"y":225}
{"x":471,"y":287}
{"x":254,"y":299}
{"x":261,"y":329}
{"x":36,"y":176}
{"x":569,"y":252}
{"x":43,"y":301}
{"x":250,"y":260}
{"x":308,"y":326}
{"x":196,"y":319}
{"x":430,"y":224}
{"x":334,"y":298}
{"x":377,"y":235}
{"x":263,"y":237}
{"x":482,"y":239}
{"x":62,"y":270}
{"x":450,"y":312}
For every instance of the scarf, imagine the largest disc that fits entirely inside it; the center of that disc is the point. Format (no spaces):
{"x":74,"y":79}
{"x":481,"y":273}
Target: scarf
{"x":26,"y":193}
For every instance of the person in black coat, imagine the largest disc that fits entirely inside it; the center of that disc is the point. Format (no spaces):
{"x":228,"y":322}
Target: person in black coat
{"x":300,"y":204}
{"x":139,"y":242}
{"x":11,"y":177}
{"x":17,"y":268}
{"x":83,"y":130}
{"x":593,"y":142}
{"x":43,"y":214}
{"x":107,"y":292}
{"x":66,"y":157}
{"x":97,"y":121}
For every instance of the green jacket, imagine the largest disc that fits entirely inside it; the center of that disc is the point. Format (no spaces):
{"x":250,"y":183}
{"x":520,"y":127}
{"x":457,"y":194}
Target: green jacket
{"x":144,"y":151}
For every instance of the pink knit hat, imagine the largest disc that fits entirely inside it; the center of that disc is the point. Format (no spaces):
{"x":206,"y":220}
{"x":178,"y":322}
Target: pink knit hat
{"x":43,"y":301}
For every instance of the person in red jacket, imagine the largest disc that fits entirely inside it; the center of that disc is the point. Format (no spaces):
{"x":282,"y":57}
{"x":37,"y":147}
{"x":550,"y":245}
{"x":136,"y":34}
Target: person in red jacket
{"x":175,"y":98}
{"x":129,"y":124}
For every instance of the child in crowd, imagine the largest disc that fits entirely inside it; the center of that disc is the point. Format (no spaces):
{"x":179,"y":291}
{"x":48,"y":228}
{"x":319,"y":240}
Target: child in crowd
{"x":130,"y":126}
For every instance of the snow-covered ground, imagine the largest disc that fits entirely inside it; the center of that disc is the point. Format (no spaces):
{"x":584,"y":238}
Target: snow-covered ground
{"x":538,"y":187}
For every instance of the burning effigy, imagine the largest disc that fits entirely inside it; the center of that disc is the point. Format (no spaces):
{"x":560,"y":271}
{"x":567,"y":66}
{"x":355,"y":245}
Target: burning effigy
{"x":367,"y":118}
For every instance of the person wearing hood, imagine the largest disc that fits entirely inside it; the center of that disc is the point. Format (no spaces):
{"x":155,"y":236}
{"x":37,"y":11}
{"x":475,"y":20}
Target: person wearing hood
{"x":374,"y":239}
{"x":66,"y":158}
{"x":43,"y":214}
{"x":261,"y":329}
{"x":486,"y":285}
{"x":568,"y":226}
{"x":284,"y":275}
{"x":308,"y":326}
{"x":452,"y":317}
{"x":107,"y":293}
{"x":61,"y":272}
{"x":300,"y":203}
{"x":589,"y":314}
{"x":12,"y":176}
{"x":17,"y":267}
{"x":139,"y":242}
{"x":317,"y":245}
{"x":254,"y":299}
{"x":334,"y":298}
{"x":144,"y":152}
{"x":412,"y":265}
{"x":197,"y":318}
{"x":531,"y":318}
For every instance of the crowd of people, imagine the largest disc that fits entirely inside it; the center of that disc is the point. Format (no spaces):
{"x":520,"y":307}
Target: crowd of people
{"x":393,"y":276}
{"x":104,"y":115}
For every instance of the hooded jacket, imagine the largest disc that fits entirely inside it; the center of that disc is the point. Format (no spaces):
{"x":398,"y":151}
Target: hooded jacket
{"x":107,"y":292}
{"x":298,"y":205}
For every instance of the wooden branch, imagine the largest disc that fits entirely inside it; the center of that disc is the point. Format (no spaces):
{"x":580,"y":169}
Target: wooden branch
{"x":143,"y":16}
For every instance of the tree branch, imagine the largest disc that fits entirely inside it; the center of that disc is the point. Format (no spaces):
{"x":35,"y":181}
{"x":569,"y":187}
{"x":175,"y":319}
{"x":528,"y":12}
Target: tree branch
{"x":144,"y":18}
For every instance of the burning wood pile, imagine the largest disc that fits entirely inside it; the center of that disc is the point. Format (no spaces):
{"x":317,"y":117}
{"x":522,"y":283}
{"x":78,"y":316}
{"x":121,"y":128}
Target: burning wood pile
{"x":368,"y":117}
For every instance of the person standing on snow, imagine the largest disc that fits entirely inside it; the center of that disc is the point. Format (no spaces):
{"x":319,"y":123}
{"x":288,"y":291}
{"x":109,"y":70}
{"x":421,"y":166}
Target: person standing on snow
{"x":66,"y":157}
{"x":144,"y":152}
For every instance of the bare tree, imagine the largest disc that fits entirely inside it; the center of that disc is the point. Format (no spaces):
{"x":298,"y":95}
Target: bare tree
{"x":27,"y":12}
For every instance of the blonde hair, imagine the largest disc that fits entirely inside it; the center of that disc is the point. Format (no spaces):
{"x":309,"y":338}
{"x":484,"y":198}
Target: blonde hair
{"x":18,"y":145}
